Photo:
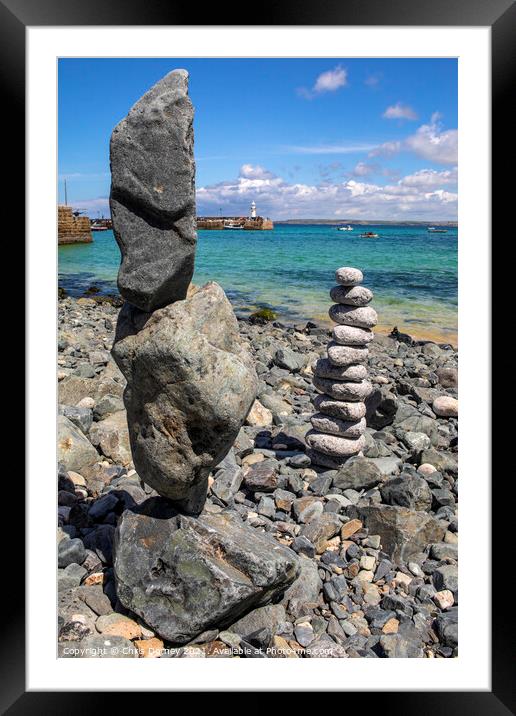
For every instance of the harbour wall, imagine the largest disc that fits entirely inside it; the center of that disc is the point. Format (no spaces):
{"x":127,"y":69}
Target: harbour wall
{"x":72,"y":229}
{"x":219,"y":222}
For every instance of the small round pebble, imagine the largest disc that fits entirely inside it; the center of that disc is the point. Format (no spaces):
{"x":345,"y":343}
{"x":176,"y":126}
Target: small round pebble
{"x":346,"y":355}
{"x":344,"y":410}
{"x":334,"y":426}
{"x":348,"y":276}
{"x":426,"y":469}
{"x":362,"y":317}
{"x":334,"y":445}
{"x":344,"y":391}
{"x":326,"y":369}
{"x":351,"y":295}
{"x":446,"y":407}
{"x":352,"y":335}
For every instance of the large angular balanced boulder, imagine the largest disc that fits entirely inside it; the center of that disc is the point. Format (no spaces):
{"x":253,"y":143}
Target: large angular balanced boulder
{"x":190,"y":385}
{"x":183,"y":575}
{"x":153,"y":194}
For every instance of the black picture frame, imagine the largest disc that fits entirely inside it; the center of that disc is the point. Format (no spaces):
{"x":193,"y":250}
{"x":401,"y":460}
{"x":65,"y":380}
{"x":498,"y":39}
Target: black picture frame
{"x":500,"y":16}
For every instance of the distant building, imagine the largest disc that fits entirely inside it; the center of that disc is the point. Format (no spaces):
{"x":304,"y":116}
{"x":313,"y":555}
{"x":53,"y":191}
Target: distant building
{"x":253,"y":210}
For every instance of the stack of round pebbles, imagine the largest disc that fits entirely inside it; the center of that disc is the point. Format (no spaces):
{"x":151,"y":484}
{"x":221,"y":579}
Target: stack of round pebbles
{"x":341,"y":378}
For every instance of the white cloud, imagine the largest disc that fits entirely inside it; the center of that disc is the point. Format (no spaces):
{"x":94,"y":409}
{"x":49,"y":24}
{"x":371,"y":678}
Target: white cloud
{"x":362,"y":169}
{"x":331,"y":80}
{"x":429,"y":141}
{"x":250,"y":171}
{"x":327,"y":149}
{"x":373,"y":80}
{"x":413,"y":197}
{"x":328,"y":81}
{"x":430,"y":178}
{"x":399,"y":111}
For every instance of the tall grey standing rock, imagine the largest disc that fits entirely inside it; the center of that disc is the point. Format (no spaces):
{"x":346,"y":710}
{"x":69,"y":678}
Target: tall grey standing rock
{"x":153,"y":195}
{"x":184,"y":575}
{"x":338,"y":428}
{"x":190,"y":385}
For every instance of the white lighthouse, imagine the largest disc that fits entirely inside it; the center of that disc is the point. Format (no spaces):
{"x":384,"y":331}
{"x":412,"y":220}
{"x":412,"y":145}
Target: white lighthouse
{"x":253,"y":210}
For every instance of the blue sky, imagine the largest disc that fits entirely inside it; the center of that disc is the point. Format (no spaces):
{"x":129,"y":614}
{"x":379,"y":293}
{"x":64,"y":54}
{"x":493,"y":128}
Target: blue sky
{"x":304,"y":138}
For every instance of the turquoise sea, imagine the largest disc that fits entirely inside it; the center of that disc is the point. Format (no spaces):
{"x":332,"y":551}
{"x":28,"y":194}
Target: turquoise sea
{"x":413,"y":273}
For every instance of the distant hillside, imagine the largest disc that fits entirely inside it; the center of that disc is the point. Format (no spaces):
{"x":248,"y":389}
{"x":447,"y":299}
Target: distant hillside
{"x":361,"y":222}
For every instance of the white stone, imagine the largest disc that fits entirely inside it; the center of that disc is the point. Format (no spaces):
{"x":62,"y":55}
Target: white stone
{"x":334,"y":426}
{"x":348,"y":276}
{"x":352,"y":335}
{"x":324,"y":368}
{"x":86,"y":403}
{"x":340,"y":409}
{"x":444,"y":599}
{"x":343,"y":391}
{"x":426,"y":469}
{"x":362,"y":317}
{"x":351,"y":295}
{"x":445,"y":406}
{"x":334,"y":445}
{"x":346,"y":355}
{"x":259,"y":415}
{"x":367,"y":562}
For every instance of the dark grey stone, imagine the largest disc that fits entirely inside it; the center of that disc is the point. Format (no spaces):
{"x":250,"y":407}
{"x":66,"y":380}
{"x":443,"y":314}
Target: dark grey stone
{"x":447,"y":627}
{"x":153,"y":195}
{"x":70,"y":551}
{"x":396,"y":646}
{"x":82,"y":418}
{"x":357,"y":474}
{"x":446,"y":577}
{"x":101,"y":507}
{"x":407,"y":491}
{"x":404,"y":532}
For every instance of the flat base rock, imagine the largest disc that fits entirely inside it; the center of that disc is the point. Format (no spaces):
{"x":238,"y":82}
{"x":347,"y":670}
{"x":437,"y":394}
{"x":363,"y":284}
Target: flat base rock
{"x":184,"y":575}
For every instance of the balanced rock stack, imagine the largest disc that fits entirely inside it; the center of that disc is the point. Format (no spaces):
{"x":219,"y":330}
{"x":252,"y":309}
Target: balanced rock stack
{"x":190,"y":386}
{"x":190,"y":382}
{"x":339,"y":425}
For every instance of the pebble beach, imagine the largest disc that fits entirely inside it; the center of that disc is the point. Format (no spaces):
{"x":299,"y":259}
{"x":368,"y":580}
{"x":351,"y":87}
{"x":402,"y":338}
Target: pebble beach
{"x":377,"y":538}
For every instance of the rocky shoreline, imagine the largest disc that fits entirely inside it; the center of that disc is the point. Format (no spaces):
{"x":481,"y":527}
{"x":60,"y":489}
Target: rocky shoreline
{"x":376,"y":539}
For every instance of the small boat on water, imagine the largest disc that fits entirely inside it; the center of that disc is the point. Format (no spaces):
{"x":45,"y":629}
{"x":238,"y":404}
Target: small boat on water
{"x":345,"y":228}
{"x":368,"y":235}
{"x":435,"y":230}
{"x":233,"y":225}
{"x":99,"y":227}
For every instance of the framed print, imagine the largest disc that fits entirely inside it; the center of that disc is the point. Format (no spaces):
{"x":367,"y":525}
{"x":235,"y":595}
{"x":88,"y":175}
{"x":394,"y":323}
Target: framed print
{"x":271,"y":240}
